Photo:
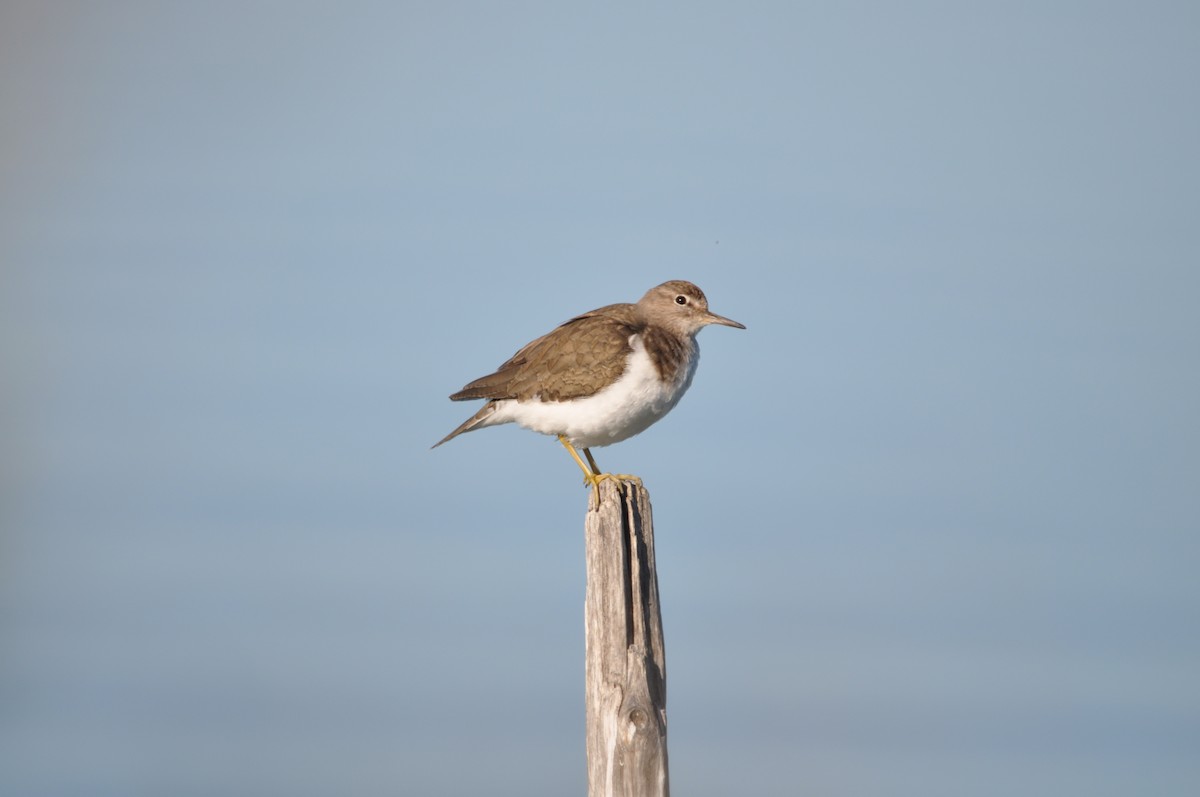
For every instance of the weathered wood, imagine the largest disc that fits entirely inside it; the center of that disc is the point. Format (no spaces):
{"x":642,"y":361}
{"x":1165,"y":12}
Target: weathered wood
{"x":626,"y":668}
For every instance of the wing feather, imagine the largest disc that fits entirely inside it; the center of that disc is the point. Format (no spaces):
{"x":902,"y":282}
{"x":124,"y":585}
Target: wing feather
{"x":574,"y":360}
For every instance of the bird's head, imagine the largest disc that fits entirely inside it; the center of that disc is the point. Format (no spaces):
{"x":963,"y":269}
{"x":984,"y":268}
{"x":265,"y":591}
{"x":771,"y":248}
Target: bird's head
{"x":680,"y":306}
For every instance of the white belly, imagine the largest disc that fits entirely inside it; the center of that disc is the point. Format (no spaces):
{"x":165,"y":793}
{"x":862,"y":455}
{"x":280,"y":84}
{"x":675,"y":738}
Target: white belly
{"x":625,"y":408}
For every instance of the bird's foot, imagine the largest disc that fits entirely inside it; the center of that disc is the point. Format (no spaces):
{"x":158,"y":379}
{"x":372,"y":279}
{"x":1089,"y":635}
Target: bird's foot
{"x":591,"y":472}
{"x":594,"y":479}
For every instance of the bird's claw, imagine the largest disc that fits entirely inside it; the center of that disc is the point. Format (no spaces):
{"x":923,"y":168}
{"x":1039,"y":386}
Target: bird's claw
{"x":594,"y":479}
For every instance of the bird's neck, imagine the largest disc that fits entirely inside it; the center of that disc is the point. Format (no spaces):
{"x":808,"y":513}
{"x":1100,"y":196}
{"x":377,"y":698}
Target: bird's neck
{"x":670,"y":352}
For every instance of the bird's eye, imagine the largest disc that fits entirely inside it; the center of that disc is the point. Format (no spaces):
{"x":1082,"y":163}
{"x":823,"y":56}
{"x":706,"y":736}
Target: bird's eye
{"x":680,"y":300}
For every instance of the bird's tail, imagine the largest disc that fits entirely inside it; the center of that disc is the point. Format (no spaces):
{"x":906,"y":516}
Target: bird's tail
{"x":476,"y":421}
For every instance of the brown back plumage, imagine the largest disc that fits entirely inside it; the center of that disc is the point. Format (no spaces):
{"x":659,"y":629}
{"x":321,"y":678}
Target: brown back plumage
{"x":575,"y":360}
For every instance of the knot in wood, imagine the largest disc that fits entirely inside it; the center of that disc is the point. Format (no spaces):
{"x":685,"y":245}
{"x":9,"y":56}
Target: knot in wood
{"x":639,"y":726}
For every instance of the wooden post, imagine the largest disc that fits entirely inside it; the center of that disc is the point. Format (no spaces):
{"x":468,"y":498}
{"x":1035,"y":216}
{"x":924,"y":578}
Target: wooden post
{"x":626,"y":668}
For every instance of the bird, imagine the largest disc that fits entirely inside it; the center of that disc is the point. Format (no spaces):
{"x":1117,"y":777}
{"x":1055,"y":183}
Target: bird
{"x":601,"y":377}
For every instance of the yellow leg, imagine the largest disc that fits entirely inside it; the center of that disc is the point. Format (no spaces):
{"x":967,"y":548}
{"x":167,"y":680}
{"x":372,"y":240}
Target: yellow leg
{"x":589,"y":475}
{"x":592,"y":476}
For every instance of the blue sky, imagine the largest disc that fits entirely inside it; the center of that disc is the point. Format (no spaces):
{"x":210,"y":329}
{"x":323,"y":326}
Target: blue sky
{"x":928,"y":526}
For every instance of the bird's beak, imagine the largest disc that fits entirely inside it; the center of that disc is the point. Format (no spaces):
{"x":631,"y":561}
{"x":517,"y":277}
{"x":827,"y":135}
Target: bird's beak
{"x":713,"y":318}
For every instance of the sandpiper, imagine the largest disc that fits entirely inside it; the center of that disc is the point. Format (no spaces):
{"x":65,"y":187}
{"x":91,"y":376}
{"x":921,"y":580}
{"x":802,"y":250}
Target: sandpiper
{"x":601,"y":377}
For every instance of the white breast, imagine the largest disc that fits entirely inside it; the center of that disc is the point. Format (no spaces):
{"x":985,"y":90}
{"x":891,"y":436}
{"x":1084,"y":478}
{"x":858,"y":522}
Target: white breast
{"x":625,"y":408}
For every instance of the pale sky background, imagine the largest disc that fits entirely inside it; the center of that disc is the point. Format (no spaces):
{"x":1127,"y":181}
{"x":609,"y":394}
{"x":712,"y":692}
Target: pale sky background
{"x":929,"y":526}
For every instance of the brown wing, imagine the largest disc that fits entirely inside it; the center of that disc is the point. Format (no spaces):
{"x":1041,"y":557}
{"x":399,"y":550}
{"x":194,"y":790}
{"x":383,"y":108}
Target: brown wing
{"x":575,"y":360}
